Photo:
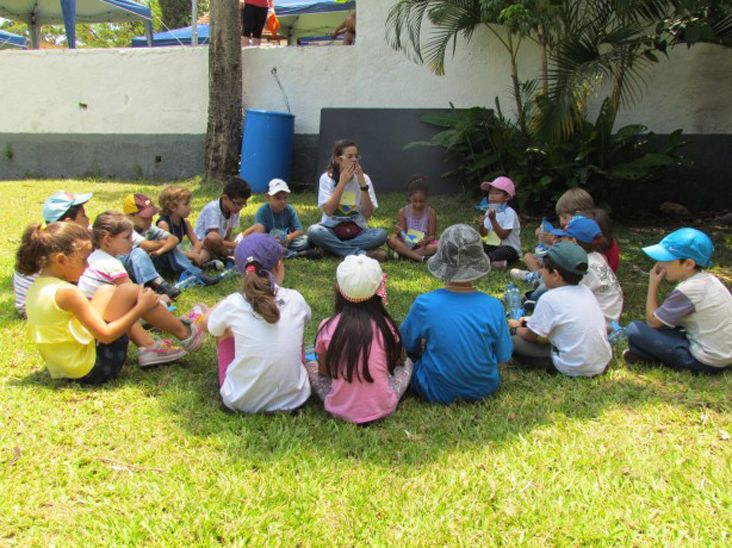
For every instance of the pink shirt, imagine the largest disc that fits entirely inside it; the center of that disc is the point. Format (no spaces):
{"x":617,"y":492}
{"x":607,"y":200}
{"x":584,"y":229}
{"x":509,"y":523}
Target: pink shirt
{"x":360,"y":401}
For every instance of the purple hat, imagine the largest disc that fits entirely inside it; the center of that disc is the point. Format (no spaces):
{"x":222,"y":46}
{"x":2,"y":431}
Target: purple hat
{"x":262,"y":249}
{"x":581,"y":229}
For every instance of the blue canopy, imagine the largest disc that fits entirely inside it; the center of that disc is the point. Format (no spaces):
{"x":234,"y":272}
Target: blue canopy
{"x":299,"y":7}
{"x":175,"y":37}
{"x":10,"y":40}
{"x":69,"y":12}
{"x":284,"y":9}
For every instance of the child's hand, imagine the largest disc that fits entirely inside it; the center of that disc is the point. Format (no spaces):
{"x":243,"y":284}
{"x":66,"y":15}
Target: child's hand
{"x":147,"y":298}
{"x":656,"y":274}
{"x":491,"y":214}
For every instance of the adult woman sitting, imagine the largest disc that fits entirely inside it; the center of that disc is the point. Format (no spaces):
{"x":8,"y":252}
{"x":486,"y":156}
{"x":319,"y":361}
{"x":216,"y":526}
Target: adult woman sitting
{"x":347,"y":198}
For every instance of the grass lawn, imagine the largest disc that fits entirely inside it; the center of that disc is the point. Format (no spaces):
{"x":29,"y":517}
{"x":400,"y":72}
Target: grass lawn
{"x":639,"y":455}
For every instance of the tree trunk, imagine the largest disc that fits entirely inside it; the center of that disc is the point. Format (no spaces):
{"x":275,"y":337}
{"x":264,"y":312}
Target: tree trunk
{"x":223,"y":135}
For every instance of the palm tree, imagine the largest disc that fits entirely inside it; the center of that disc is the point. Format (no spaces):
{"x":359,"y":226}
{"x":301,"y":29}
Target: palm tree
{"x":585,"y":44}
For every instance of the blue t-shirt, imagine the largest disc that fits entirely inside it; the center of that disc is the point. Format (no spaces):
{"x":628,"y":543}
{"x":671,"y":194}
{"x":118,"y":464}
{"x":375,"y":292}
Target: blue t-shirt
{"x":466,"y":338}
{"x":282,"y":223}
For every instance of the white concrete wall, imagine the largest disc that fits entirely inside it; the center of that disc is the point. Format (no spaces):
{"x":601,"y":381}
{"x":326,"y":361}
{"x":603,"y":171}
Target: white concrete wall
{"x":126,"y":91}
{"x":165,"y":90}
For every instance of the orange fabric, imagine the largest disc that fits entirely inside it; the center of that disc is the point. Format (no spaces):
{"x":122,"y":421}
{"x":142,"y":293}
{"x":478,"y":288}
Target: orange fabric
{"x":273,"y":24}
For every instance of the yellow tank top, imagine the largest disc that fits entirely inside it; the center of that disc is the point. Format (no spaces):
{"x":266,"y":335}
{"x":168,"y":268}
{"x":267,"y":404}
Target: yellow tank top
{"x":64,"y":343}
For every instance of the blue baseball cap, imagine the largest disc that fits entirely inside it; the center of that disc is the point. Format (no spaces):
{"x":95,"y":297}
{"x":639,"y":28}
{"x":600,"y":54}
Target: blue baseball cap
{"x":581,"y":229}
{"x":684,"y":243}
{"x":58,"y":203}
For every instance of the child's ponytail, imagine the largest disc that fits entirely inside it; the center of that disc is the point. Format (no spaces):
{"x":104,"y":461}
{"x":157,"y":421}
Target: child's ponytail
{"x":258,"y":289}
{"x":39,"y":241}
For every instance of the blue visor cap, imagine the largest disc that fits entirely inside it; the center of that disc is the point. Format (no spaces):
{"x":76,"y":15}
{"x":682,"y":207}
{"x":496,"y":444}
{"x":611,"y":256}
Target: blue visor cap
{"x":581,"y":229}
{"x":60,"y":202}
{"x":684,"y":243}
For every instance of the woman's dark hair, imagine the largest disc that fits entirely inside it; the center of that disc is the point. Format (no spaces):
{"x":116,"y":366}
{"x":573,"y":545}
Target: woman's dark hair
{"x":40,"y":241}
{"x":334,"y":169}
{"x":257,"y":289}
{"x":570,"y":277}
{"x":110,"y":223}
{"x":418,"y":183}
{"x":351,"y":341}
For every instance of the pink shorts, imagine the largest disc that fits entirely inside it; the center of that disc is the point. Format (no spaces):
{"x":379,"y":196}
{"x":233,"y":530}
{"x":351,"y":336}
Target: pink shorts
{"x":225,"y":352}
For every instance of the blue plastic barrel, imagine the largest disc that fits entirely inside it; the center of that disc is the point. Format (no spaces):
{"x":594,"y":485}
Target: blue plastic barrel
{"x":266,"y":147}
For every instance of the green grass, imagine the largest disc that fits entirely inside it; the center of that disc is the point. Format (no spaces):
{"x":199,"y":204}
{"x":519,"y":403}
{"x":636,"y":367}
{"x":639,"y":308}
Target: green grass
{"x":637,"y":456}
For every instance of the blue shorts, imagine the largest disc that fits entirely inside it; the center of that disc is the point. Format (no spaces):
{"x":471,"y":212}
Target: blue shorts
{"x":110,"y":359}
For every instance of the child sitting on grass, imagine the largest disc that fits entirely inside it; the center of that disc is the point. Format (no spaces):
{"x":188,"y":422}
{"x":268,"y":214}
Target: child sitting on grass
{"x":81,"y":339}
{"x":502,"y":220}
{"x":220,"y":217}
{"x":361,"y":372}
{"x":112,"y":237}
{"x":280,"y":219}
{"x":161,"y":247}
{"x":692,"y":328}
{"x":457,"y":336}
{"x":260,"y":334}
{"x":175,"y":205}
{"x":416,"y":224}
{"x":600,"y":278}
{"x":59,"y":206}
{"x":566,"y":332}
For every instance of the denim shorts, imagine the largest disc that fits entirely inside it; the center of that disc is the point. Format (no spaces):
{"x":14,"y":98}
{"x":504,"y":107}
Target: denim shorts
{"x":110,"y":359}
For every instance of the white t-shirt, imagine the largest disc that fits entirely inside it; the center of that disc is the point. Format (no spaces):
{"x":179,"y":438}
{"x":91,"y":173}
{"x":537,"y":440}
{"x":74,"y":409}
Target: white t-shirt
{"x":507,"y":220}
{"x":349,"y":208}
{"x":601,"y":280}
{"x":267,"y":373}
{"x":103,"y":269}
{"x":571,"y":319}
{"x":212,"y":218}
{"x":703,"y":306}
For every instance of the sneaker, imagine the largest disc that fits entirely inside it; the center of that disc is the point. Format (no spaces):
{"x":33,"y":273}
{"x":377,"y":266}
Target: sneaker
{"x":377,"y":254}
{"x":162,"y":351}
{"x":313,"y":254}
{"x":500,"y":265}
{"x":163,"y":288}
{"x":209,"y":280}
{"x":194,"y":321}
{"x":631,"y":357}
{"x":214,"y":264}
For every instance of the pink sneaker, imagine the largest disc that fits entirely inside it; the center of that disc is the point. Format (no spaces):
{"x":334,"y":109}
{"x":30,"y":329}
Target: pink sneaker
{"x":162,"y":351}
{"x":195,"y":322}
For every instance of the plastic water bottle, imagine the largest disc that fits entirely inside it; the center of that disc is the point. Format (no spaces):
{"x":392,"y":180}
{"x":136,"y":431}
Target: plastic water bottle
{"x":187,"y":280}
{"x":514,"y":302}
{"x":617,"y":334}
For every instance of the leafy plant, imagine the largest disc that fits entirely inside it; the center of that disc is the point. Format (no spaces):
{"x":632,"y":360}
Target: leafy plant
{"x":488,"y":144}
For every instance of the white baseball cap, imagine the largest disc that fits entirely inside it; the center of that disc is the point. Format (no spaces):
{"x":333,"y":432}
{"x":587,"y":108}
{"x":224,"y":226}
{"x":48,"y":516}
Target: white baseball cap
{"x":277,"y":185}
{"x":359,"y":277}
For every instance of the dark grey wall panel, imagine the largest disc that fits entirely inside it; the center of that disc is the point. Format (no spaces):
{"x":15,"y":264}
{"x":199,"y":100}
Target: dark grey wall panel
{"x":163,"y":157}
{"x":381,"y":135}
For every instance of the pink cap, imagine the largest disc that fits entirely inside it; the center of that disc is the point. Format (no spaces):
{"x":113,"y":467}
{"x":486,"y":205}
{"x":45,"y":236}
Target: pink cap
{"x":501,"y":183}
